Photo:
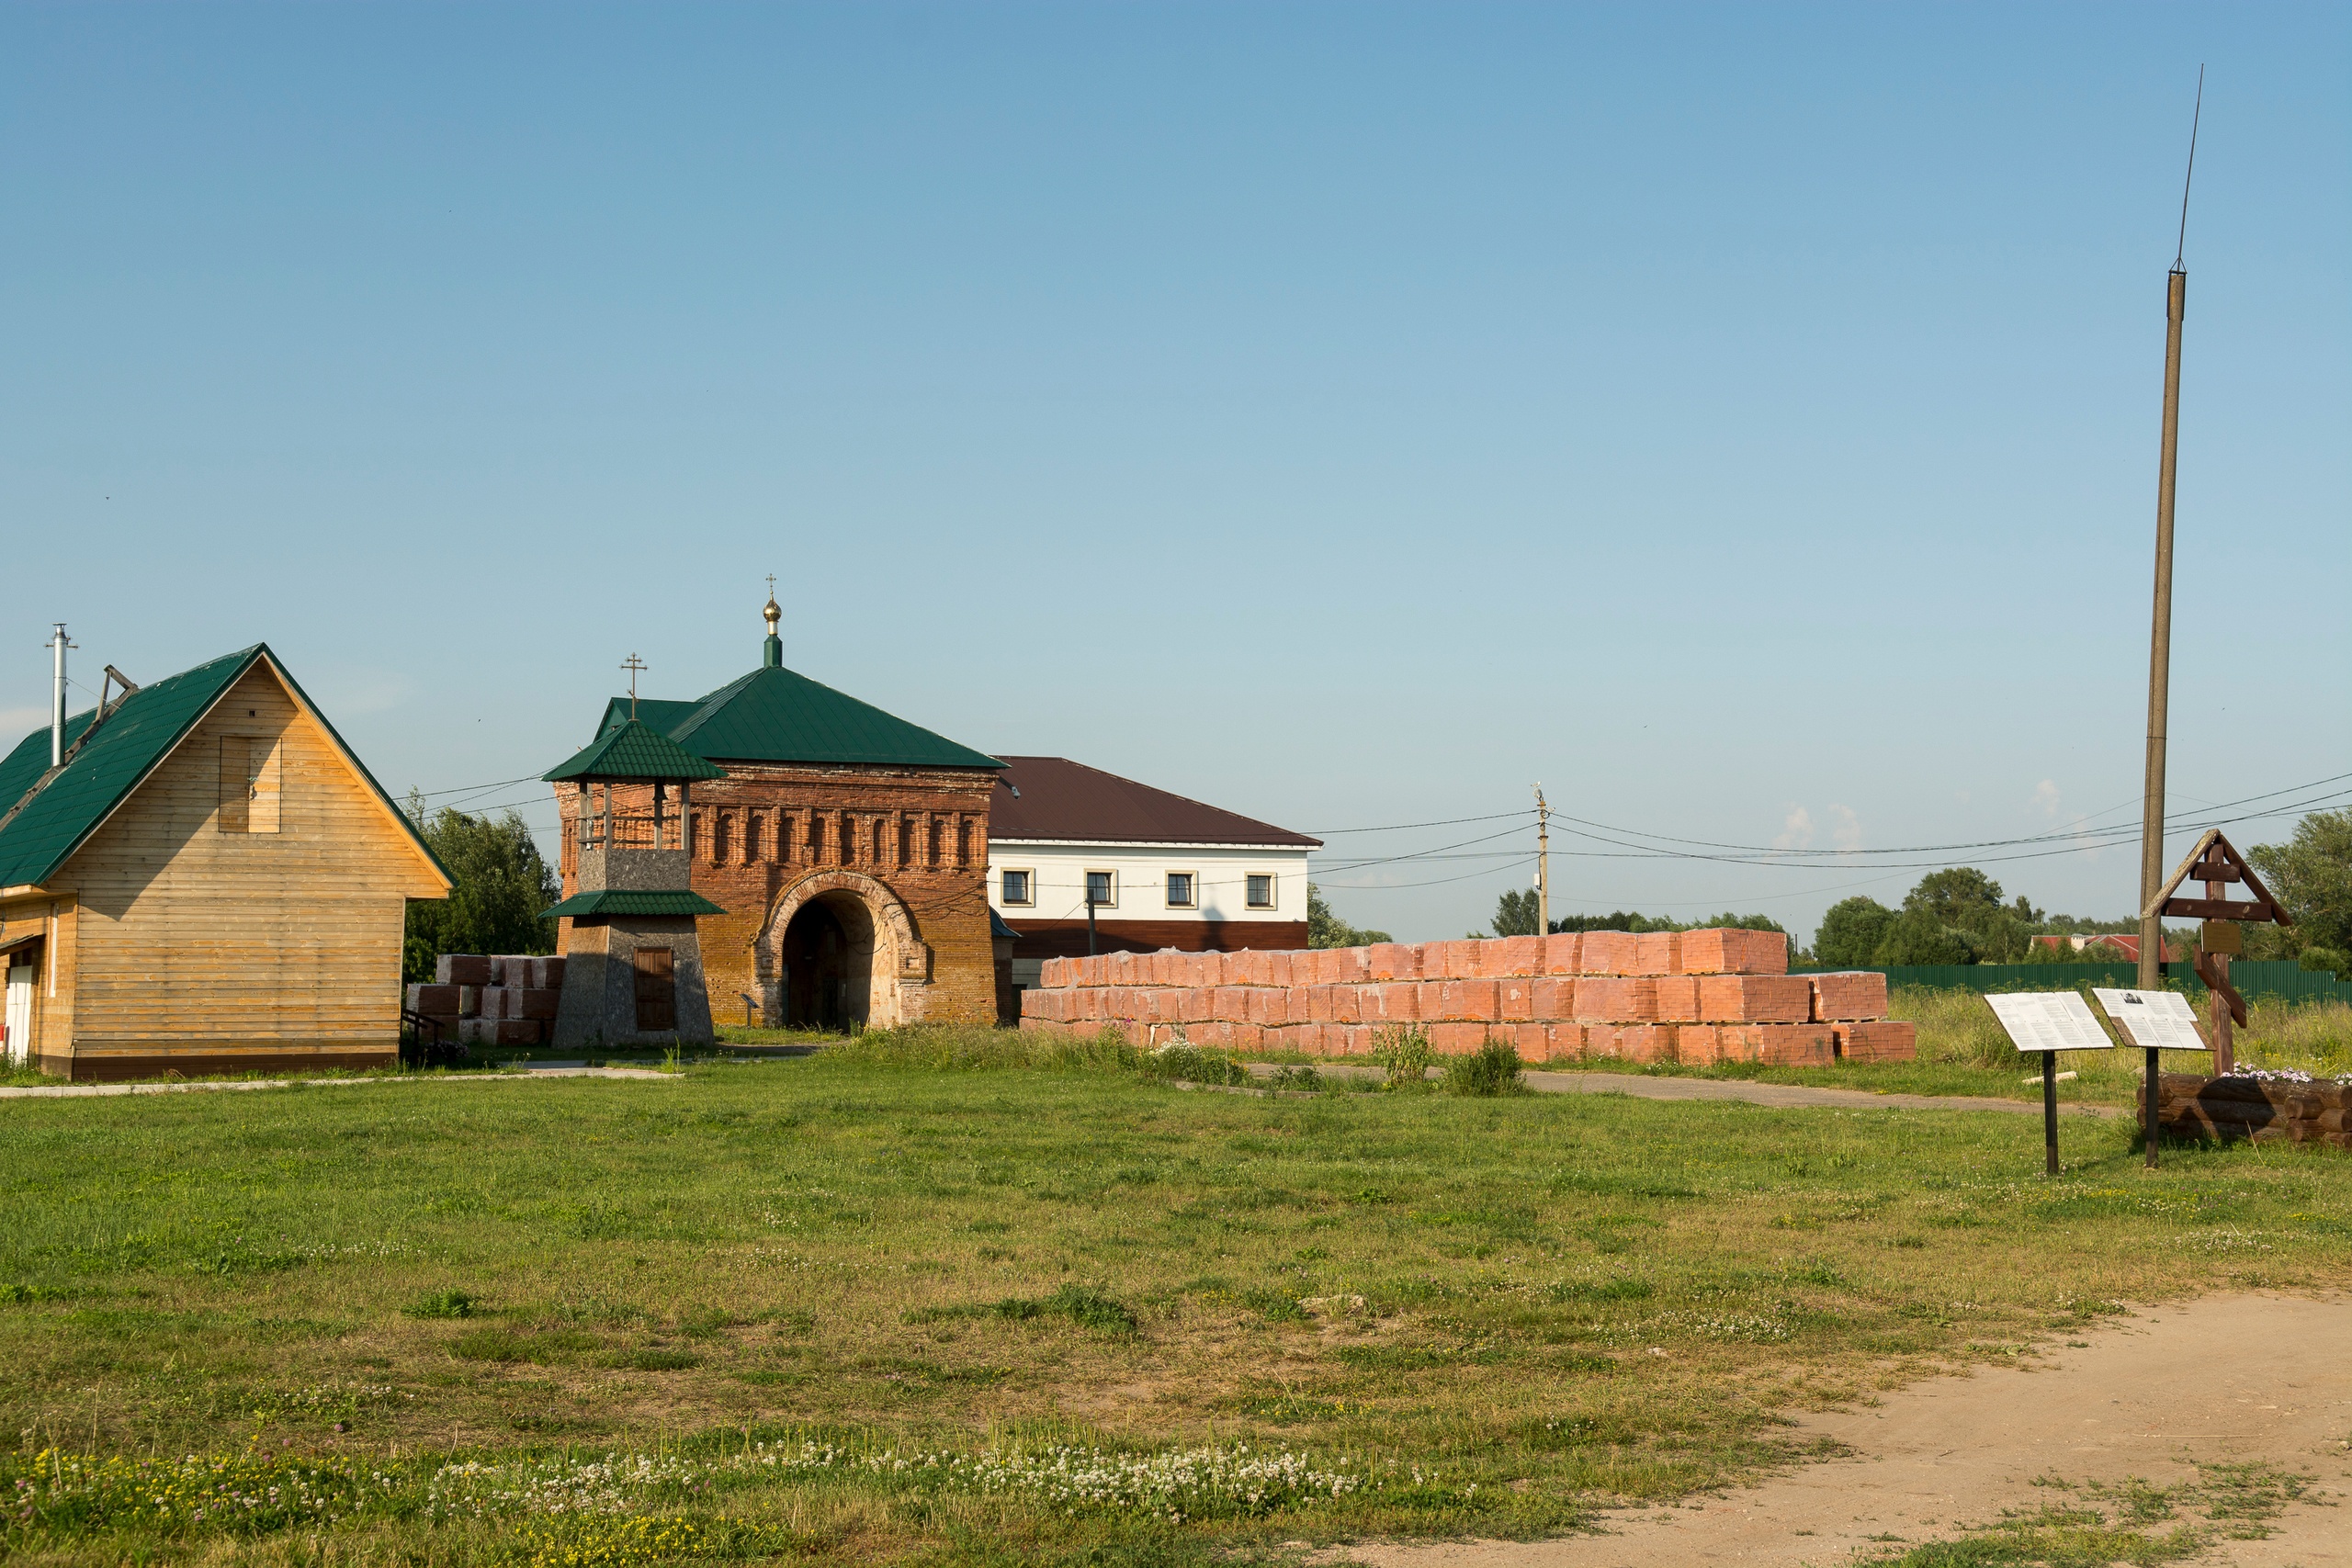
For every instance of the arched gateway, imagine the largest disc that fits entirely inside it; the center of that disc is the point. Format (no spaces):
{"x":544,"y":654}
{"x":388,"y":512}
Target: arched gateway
{"x":848,"y":848}
{"x":839,"y":950}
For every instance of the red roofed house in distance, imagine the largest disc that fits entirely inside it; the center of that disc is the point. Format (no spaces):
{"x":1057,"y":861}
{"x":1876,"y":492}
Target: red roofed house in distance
{"x":1164,"y":871}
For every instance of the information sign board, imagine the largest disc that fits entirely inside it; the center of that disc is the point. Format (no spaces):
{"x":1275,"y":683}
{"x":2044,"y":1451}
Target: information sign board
{"x":2156,"y":1021}
{"x":2049,"y":1021}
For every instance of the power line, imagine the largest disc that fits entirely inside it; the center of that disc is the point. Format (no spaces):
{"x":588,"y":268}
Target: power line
{"x":1400,"y":827}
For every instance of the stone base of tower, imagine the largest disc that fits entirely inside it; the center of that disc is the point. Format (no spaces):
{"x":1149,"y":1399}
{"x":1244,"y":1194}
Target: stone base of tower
{"x":633,"y":980}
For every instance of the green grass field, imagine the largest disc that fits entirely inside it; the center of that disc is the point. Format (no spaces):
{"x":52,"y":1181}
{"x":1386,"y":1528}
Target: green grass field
{"x":904,"y":1300}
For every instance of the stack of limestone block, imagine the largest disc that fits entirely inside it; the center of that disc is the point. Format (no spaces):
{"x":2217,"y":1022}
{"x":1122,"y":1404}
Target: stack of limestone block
{"x":500,"y":1000}
{"x":2264,"y":1110}
{"x":1697,"y":996}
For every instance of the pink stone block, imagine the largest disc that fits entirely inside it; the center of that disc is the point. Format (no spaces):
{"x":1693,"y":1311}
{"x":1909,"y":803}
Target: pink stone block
{"x":1607,"y":952}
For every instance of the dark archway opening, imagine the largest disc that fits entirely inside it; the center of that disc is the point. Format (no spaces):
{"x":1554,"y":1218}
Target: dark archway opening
{"x":826,"y":969}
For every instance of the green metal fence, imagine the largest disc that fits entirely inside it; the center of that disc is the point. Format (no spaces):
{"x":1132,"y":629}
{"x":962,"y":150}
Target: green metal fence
{"x":2284,"y":981}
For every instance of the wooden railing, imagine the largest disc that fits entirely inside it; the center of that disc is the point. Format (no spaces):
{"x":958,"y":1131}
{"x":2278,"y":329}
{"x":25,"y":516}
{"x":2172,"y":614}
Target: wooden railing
{"x":632,"y":830}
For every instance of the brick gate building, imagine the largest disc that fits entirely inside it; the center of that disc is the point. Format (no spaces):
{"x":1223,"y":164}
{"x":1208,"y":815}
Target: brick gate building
{"x":848,"y":848}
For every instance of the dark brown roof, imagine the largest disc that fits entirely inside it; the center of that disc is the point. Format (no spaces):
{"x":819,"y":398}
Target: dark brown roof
{"x":1062,"y":799}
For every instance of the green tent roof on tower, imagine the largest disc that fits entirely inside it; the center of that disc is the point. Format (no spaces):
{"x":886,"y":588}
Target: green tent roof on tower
{"x":633,"y":749}
{"x":775,"y":714}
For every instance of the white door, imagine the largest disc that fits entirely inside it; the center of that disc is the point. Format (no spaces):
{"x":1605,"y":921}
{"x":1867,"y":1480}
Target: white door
{"x":20,"y":1014}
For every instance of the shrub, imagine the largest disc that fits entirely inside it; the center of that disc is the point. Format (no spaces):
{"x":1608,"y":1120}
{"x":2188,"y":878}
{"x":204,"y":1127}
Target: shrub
{"x":1190,"y":1064}
{"x":2325,"y":960}
{"x":1492,"y":1069}
{"x":1406,"y":1053}
{"x":445,"y":1304}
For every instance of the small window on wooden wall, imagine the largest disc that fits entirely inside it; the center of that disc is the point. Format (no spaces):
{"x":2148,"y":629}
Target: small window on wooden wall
{"x":250,"y":796}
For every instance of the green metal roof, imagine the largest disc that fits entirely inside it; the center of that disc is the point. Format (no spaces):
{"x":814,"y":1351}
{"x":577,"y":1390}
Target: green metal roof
{"x":635,"y":901}
{"x":138,"y":734}
{"x":774,"y":715}
{"x":634,"y":751}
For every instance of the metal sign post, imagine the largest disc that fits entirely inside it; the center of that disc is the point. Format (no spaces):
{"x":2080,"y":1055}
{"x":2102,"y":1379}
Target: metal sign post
{"x":2049,"y":1022}
{"x":2153,"y":1020}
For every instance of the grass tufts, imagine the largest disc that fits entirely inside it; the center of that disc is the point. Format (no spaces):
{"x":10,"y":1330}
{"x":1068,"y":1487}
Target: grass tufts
{"x":1492,"y":1070}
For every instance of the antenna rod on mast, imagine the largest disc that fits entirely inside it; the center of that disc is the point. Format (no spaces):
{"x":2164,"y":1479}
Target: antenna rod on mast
{"x":2180,"y":248}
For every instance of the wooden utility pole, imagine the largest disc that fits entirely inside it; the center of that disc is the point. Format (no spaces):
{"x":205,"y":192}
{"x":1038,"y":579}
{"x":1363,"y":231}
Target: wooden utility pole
{"x":1543,"y":863}
{"x":2152,"y":802}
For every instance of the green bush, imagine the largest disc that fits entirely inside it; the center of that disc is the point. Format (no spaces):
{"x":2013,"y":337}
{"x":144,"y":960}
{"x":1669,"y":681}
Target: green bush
{"x":1406,"y":1053}
{"x":444,"y":1304}
{"x":1492,"y":1069}
{"x":2324,"y":960}
{"x":1190,"y":1064}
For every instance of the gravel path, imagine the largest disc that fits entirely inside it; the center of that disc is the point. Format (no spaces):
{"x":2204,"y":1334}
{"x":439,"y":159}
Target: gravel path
{"x":85,"y":1090}
{"x":2254,"y":1376}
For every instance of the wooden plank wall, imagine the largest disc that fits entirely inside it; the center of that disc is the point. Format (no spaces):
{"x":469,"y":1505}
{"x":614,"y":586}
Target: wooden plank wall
{"x":52,"y":920}
{"x":197,"y":942}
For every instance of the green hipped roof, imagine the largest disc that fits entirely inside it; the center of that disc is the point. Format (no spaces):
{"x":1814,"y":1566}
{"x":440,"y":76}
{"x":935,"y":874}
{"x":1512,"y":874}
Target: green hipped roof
{"x":139,"y":733}
{"x":633,"y":751}
{"x":775,"y":714}
{"x":635,"y":901}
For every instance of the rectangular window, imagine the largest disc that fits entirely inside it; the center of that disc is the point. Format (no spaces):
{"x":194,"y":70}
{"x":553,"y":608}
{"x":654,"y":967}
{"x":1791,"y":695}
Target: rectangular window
{"x":249,"y":784}
{"x":1179,"y":890}
{"x":1101,"y":889}
{"x":1261,"y":892}
{"x":1017,"y":889}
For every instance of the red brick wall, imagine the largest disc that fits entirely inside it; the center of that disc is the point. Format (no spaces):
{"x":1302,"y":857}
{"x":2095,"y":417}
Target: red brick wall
{"x":923,"y":833}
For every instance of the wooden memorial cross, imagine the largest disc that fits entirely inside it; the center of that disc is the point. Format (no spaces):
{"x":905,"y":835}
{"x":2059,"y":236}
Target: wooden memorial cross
{"x":2216,"y":863}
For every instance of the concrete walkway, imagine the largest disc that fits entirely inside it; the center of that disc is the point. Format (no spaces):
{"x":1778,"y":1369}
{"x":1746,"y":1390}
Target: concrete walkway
{"x":1640,"y":1086}
{"x":87,"y":1090}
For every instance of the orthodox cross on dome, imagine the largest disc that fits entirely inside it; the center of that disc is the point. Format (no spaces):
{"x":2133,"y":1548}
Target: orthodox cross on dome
{"x":633,"y":664}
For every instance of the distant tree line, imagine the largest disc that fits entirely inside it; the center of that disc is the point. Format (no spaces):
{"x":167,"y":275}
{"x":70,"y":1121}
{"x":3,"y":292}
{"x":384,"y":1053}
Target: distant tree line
{"x":1516,"y":915}
{"x":1958,"y":916}
{"x":502,"y":889}
{"x":1325,"y":929}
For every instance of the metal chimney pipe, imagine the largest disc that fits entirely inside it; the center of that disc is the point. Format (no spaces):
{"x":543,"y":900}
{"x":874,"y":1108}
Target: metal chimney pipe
{"x":57,"y":700}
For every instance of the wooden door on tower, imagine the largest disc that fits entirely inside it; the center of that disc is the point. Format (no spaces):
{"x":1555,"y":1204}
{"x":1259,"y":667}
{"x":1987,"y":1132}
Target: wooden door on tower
{"x":657,"y":990}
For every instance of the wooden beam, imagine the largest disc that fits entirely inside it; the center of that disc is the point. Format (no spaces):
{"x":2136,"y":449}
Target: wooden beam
{"x":2218,"y":910}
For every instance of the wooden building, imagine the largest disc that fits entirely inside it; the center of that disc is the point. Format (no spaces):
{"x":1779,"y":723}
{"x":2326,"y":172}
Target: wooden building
{"x":211,"y":882}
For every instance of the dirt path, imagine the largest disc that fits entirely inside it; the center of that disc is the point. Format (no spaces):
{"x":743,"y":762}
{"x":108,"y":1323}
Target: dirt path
{"x":2257,"y":1376}
{"x":207,"y":1086}
{"x":1779,"y":1094}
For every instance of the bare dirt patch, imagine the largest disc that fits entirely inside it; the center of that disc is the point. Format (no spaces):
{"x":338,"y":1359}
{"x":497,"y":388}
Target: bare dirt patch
{"x":2228,"y":1379}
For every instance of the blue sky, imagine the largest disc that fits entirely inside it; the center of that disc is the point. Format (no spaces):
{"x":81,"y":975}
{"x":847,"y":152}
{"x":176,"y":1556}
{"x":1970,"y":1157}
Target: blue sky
{"x":1742,"y":420}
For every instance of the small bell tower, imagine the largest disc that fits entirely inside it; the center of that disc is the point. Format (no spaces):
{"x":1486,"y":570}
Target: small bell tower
{"x":633,"y":972}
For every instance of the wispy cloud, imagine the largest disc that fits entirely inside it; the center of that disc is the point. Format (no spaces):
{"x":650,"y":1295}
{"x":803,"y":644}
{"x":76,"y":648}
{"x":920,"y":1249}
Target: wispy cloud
{"x":2045,"y":797}
{"x":1796,"y":832}
{"x":1845,"y":827}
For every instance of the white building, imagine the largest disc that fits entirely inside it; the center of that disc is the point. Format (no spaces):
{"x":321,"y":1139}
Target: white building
{"x":1163,"y":871}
